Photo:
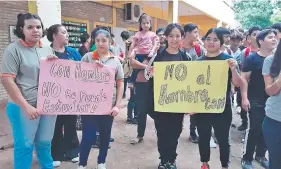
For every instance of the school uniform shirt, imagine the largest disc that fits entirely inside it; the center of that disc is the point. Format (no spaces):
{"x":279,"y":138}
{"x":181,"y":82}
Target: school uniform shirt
{"x":256,"y":86}
{"x":222,"y":56}
{"x":22,"y":62}
{"x":113,"y":62}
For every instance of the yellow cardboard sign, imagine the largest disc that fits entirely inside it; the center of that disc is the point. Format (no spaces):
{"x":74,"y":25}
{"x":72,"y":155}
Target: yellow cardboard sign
{"x":186,"y":87}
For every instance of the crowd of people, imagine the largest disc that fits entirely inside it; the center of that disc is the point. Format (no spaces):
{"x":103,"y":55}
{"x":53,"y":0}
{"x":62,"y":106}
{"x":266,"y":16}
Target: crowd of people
{"x":253,"y":56}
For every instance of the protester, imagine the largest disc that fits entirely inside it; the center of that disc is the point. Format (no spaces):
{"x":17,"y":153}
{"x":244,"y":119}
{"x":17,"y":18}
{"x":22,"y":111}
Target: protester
{"x":162,"y":38}
{"x":253,"y":47}
{"x":132,"y":113}
{"x":93,"y":34}
{"x":96,"y":144}
{"x":245,"y":41}
{"x":194,"y":51}
{"x":168,"y":135}
{"x":20,"y":77}
{"x":221,"y":121}
{"x":65,"y":143}
{"x":272,"y":123}
{"x":235,"y":42}
{"x":90,"y":123}
{"x":254,"y":96}
{"x":86,"y":42}
{"x":116,"y":49}
{"x":277,"y":27}
{"x":190,"y":45}
{"x":226,"y":38}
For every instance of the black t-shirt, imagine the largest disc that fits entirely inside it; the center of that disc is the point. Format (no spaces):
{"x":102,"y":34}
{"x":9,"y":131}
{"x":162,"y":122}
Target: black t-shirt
{"x":222,"y":56}
{"x":165,"y":56}
{"x":256,"y":87}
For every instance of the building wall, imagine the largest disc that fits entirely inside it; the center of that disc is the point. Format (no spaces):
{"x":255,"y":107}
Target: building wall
{"x":97,"y":12}
{"x":120,"y":15}
{"x":162,"y":23}
{"x":94,"y":12}
{"x":80,"y":10}
{"x":9,"y":11}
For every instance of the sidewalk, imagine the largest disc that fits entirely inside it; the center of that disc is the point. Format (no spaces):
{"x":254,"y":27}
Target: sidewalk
{"x":6,"y":138}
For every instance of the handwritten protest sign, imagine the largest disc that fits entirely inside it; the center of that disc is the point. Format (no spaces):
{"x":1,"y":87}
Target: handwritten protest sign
{"x":68,"y":87}
{"x":185,"y":87}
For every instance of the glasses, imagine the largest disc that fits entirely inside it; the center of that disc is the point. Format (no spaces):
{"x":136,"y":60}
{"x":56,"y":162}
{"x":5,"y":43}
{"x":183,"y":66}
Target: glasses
{"x":209,"y":40}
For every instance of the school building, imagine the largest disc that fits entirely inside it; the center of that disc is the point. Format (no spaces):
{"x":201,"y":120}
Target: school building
{"x":118,"y":15}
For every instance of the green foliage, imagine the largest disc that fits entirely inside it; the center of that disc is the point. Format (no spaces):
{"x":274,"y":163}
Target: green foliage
{"x":276,"y":17}
{"x":254,"y":12}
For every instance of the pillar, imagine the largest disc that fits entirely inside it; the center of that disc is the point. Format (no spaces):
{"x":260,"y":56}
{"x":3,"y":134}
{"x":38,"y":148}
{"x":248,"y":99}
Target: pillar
{"x":49,"y":12}
{"x":173,"y":10}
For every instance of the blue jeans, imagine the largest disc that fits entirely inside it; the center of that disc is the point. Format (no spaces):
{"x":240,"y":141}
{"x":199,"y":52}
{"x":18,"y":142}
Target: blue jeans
{"x":90,"y":123}
{"x":29,"y":133}
{"x":272,"y":135}
{"x":132,"y":106}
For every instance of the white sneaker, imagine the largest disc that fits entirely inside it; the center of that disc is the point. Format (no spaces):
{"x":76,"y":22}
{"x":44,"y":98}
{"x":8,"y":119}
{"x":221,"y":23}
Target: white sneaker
{"x":101,"y":166}
{"x":81,"y":167}
{"x":75,"y":160}
{"x":56,"y":163}
{"x":212,"y":143}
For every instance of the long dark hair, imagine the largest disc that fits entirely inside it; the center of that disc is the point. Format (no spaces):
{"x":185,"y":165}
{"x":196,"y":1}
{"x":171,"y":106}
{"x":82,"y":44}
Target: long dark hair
{"x":276,"y":64}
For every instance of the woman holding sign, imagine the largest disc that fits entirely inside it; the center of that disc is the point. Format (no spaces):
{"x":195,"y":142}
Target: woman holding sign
{"x":220,"y":121}
{"x":90,"y":123}
{"x":20,"y":77}
{"x":169,"y":125}
{"x":65,"y":144}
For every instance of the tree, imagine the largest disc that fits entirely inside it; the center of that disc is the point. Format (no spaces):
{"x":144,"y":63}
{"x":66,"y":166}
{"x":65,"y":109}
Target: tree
{"x":276,"y":17}
{"x":254,"y":12}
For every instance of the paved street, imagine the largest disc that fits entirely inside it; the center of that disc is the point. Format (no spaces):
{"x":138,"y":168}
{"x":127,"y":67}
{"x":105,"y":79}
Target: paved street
{"x":122,"y":155}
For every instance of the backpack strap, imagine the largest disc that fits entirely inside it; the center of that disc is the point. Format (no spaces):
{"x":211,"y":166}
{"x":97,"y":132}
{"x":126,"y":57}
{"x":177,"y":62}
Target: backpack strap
{"x":197,"y":49}
{"x":247,"y":52}
{"x":184,"y":56}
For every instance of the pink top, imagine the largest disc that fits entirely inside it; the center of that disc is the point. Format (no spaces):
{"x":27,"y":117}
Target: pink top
{"x":144,"y":42}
